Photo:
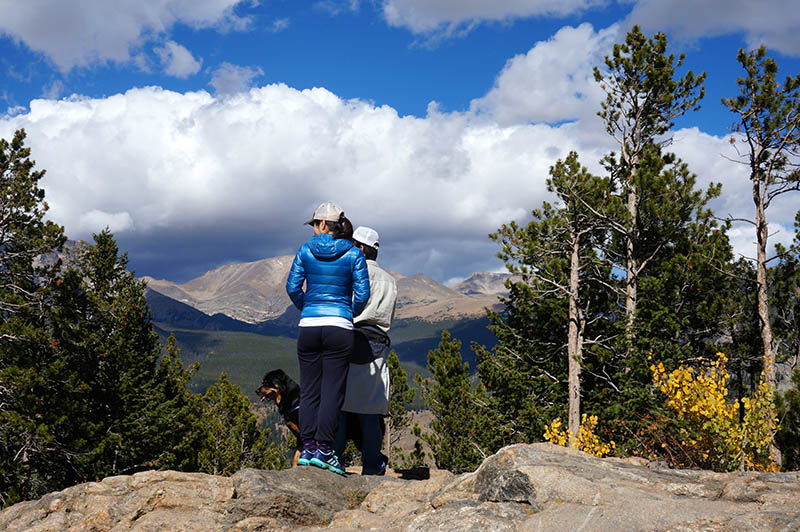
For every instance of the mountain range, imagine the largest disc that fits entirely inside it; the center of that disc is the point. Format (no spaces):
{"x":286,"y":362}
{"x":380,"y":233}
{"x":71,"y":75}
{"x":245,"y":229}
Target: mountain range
{"x":254,"y":293}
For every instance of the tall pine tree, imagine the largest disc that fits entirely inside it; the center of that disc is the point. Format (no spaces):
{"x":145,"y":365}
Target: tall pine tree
{"x":643,"y":97}
{"x":673,"y":256}
{"x":557,"y":261}
{"x":768,"y":114}
{"x":29,"y":451}
{"x":137,"y":413}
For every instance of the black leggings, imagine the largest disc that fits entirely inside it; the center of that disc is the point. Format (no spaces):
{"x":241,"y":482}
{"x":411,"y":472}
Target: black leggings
{"x":324,"y":356}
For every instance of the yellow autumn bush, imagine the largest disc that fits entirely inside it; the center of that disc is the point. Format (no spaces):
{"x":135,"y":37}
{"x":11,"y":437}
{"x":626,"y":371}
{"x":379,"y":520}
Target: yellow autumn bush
{"x":587,"y":440}
{"x":723,"y":435}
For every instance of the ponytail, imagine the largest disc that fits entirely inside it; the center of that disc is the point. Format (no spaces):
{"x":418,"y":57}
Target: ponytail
{"x":341,"y":229}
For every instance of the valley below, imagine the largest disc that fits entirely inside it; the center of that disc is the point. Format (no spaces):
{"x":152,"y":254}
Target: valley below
{"x":238,"y":319}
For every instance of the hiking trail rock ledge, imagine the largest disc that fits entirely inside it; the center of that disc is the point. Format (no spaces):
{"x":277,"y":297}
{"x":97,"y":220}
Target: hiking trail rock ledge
{"x":522,"y":488}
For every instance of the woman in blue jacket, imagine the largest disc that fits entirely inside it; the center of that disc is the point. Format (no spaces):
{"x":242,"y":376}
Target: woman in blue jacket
{"x":337,"y":288}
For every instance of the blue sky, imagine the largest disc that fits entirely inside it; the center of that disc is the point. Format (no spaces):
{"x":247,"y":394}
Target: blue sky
{"x":203,"y":132}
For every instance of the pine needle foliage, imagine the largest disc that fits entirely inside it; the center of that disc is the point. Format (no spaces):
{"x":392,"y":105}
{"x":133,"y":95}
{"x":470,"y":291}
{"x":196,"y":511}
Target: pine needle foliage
{"x":401,"y":395}
{"x":231,"y":439}
{"x":460,"y":427}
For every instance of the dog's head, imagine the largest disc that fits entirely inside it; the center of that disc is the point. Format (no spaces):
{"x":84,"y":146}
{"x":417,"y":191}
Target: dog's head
{"x":275,"y":385}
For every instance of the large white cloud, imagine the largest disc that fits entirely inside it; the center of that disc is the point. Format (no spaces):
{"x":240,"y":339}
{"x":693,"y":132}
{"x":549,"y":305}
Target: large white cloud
{"x":83,"y":32}
{"x":152,"y":160}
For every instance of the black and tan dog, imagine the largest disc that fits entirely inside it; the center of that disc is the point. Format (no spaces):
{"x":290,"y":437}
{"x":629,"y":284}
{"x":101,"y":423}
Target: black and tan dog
{"x":279,"y":388}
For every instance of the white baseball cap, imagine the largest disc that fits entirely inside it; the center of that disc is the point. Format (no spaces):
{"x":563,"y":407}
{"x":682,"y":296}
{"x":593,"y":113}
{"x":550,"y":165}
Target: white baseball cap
{"x":328,"y":211}
{"x":366,"y":235}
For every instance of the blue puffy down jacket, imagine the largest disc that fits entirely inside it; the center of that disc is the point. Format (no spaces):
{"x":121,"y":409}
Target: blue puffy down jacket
{"x":335,"y":272}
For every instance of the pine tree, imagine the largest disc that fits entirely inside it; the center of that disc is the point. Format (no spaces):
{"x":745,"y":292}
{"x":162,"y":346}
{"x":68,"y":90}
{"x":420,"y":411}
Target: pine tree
{"x":86,"y":390}
{"x":29,"y":454}
{"x":556,"y":258}
{"x":647,"y":221}
{"x":769,"y":122}
{"x":458,"y":437}
{"x":401,"y":395}
{"x":137,"y":411}
{"x":675,"y":257}
{"x":231,"y":437}
{"x":684,"y":284}
{"x":642,"y":99}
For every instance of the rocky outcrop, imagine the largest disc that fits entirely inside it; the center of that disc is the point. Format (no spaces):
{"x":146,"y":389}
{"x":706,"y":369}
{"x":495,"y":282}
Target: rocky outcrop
{"x":521,"y":488}
{"x":170,"y":501}
{"x":545,"y":487}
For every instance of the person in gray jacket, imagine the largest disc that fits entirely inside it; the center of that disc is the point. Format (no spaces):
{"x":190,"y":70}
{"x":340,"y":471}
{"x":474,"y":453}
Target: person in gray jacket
{"x":366,"y":399}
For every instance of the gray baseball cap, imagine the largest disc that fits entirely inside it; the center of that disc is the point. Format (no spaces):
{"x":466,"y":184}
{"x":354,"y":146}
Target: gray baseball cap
{"x":328,"y":211}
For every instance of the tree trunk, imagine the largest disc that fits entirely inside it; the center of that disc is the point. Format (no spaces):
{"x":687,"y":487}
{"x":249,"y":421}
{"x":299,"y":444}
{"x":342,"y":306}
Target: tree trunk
{"x":762,"y":296}
{"x":631,"y":285}
{"x":574,"y":344}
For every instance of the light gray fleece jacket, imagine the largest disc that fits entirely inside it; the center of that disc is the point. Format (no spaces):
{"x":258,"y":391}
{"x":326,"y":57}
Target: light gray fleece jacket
{"x":368,"y":384}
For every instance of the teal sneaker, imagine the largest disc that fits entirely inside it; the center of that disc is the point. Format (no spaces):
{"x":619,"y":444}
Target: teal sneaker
{"x":305,"y":457}
{"x":327,"y":461}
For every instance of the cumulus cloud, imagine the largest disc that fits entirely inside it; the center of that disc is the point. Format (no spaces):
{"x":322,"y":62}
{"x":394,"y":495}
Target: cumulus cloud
{"x":177,"y":60}
{"x":79,"y":33}
{"x":158,"y":165}
{"x":230,"y":79}
{"x":451,"y":16}
{"x":553,"y":81}
{"x":774,"y":23}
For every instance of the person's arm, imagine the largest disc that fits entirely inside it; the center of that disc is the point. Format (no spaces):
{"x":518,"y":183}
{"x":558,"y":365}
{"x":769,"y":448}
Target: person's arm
{"x":360,"y":284}
{"x":294,"y":283}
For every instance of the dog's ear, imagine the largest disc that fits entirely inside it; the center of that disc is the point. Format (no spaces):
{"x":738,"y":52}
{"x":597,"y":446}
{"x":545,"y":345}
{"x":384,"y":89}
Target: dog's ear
{"x":282,"y":379}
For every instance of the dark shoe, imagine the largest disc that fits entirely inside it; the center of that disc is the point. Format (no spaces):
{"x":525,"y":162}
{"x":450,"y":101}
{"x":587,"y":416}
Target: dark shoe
{"x":305,"y":457}
{"x":327,"y":461}
{"x":381,"y":471}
